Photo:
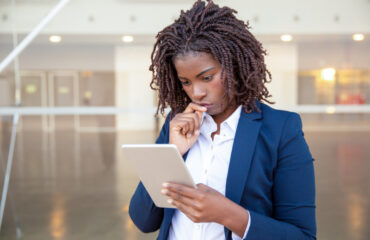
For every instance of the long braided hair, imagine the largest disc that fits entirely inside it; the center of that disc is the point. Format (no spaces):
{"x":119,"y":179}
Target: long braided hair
{"x":208,"y":28}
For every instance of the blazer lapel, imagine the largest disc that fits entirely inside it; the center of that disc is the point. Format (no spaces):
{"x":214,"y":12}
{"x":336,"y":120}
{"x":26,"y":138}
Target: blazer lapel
{"x":241,"y":155}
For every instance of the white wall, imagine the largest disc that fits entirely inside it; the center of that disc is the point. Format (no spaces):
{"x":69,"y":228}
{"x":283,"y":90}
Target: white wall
{"x":132,"y":87}
{"x":64,"y":57}
{"x":282,"y":62}
{"x":339,"y":55}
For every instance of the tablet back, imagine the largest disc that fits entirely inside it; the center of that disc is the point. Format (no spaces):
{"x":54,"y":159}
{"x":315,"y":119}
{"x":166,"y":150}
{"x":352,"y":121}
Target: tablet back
{"x":156,"y":164}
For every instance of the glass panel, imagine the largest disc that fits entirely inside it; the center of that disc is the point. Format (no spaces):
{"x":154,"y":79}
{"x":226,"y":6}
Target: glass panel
{"x":96,"y":88}
{"x":6,"y":89}
{"x":336,"y":87}
{"x":333,"y":70}
{"x":98,"y":121}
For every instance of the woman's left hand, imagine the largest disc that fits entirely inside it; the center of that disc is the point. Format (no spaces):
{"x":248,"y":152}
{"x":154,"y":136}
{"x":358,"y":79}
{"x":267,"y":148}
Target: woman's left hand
{"x":201,"y":204}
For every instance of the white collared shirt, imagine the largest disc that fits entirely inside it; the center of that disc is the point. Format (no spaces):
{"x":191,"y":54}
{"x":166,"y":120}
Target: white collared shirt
{"x":208,"y":162}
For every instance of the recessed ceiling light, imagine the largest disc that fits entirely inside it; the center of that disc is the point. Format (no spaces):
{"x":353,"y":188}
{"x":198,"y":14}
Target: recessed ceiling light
{"x":358,"y":37}
{"x":286,"y":38}
{"x":55,"y":38}
{"x":127,"y":39}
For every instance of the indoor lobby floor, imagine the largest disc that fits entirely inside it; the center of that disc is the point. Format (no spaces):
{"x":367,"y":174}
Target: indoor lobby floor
{"x":76,"y":185}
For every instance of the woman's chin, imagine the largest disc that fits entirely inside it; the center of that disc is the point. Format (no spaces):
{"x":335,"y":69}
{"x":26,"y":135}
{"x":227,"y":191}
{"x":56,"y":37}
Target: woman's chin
{"x":213,"y":111}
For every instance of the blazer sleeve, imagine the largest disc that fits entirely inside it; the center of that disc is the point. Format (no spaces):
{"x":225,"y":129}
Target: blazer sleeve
{"x":293,"y":190}
{"x":146,"y":216}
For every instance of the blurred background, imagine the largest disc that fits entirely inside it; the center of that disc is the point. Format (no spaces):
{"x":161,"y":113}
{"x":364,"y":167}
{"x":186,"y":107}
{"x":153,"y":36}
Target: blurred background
{"x":80,"y":89}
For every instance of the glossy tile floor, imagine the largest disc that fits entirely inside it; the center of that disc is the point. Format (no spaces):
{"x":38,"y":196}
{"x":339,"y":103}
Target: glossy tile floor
{"x":75,"y":185}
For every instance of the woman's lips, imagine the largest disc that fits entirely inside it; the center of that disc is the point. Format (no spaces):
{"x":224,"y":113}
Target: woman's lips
{"x":208,"y":106}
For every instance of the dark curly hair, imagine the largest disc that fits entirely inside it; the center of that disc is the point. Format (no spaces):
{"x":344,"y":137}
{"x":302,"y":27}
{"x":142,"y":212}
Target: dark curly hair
{"x":208,"y":28}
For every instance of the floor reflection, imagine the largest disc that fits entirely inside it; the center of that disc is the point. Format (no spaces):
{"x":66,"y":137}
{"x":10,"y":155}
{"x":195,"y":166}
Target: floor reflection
{"x":57,"y":218}
{"x":356,"y":215}
{"x":76,"y":185}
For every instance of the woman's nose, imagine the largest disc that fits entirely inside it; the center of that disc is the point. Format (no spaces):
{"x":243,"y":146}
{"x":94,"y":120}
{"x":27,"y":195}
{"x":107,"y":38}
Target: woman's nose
{"x":199,"y":92}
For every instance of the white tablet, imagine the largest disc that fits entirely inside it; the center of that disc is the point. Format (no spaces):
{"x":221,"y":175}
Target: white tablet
{"x":156,"y":164}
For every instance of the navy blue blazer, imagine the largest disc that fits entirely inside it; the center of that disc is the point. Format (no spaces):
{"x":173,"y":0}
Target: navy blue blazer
{"x":271,"y":174}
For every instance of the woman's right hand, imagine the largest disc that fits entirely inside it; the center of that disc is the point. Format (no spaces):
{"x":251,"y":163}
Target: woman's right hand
{"x":185,"y":127}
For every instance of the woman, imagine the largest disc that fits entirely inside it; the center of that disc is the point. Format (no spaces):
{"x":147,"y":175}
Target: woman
{"x":253,"y":167}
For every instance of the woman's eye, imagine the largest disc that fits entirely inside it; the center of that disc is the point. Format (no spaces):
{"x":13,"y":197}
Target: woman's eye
{"x":208,"y":78}
{"x":185,"y":83}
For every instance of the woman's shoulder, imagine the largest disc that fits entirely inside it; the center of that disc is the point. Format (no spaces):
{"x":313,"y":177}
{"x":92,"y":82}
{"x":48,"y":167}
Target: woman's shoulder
{"x":280,"y":119}
{"x":278,"y":114}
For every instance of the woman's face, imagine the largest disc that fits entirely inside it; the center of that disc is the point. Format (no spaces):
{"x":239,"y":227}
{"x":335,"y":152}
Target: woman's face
{"x":200,"y":76}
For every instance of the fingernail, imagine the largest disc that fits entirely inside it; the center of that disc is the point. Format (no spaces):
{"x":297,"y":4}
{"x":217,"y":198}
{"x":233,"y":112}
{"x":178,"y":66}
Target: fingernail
{"x":189,"y":135}
{"x":170,"y":201}
{"x":165,"y":184}
{"x":164,"y":191}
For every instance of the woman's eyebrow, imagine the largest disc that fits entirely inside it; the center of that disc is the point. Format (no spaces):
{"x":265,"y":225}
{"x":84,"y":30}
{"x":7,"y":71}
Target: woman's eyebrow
{"x":199,"y":74}
{"x":204,"y":71}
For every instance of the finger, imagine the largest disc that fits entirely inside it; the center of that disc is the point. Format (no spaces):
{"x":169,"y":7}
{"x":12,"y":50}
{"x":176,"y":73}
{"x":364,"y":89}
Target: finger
{"x":187,"y":210}
{"x":187,"y":126}
{"x":204,"y":188}
{"x":182,"y":199}
{"x":195,"y":127}
{"x":193,"y":107}
{"x":182,"y":125}
{"x":199,"y":115}
{"x":190,"y":124}
{"x":196,"y":120}
{"x":181,"y":189}
{"x":196,"y":116}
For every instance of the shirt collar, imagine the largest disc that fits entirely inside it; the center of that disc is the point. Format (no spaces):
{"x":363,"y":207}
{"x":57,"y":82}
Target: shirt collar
{"x":232,"y":121}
